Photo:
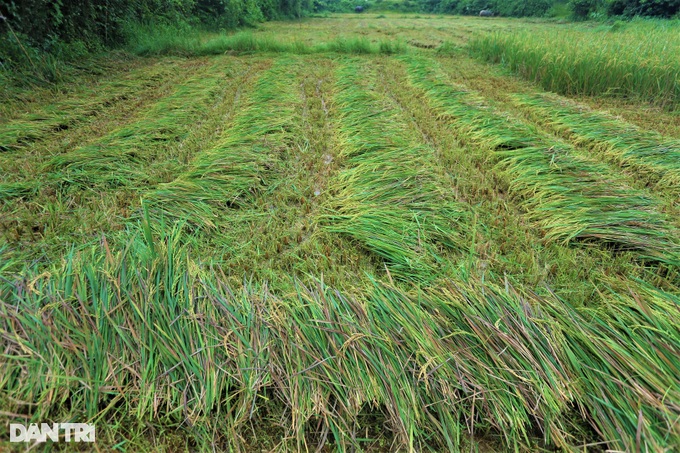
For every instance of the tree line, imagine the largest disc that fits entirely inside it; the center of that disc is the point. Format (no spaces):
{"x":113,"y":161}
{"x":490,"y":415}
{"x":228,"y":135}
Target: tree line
{"x":45,"y":23}
{"x":61,"y":27}
{"x":578,"y":9}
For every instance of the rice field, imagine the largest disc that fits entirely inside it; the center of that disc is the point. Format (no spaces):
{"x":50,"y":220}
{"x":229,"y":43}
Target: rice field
{"x":341,"y":233}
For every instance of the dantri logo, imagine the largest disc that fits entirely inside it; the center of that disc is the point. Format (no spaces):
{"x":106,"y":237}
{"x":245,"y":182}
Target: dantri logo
{"x":71,"y":432}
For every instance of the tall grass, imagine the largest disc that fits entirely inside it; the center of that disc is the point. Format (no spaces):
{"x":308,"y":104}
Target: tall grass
{"x":640,"y":61}
{"x":167,"y":40}
{"x":654,"y":158}
{"x":569,"y":197}
{"x":388,"y":195}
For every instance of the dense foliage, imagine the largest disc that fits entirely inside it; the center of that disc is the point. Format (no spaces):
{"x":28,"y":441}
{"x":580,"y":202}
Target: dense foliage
{"x":39,"y":37}
{"x":45,"y":23}
{"x":585,"y":9}
{"x":513,"y":8}
{"x":580,"y":9}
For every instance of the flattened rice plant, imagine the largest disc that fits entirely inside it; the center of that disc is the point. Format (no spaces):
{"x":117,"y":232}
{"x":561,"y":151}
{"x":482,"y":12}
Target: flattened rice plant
{"x":569,"y":197}
{"x":39,"y":125}
{"x":144,"y":333}
{"x":625,"y":358}
{"x":389,"y":196}
{"x":122,"y":157}
{"x":654,"y":158}
{"x":230,"y":172}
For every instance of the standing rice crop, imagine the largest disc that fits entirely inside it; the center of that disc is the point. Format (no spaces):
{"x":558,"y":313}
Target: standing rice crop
{"x":640,"y":61}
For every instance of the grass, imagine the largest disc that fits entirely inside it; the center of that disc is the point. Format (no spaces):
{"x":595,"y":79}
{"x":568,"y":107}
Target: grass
{"x":169,"y":41}
{"x":635,"y":62}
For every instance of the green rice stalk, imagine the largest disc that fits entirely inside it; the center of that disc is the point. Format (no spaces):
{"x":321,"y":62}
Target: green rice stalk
{"x":145,"y":333}
{"x":12,"y":190}
{"x":640,"y":62}
{"x":80,"y":107}
{"x":624,"y":354}
{"x":122,"y":157}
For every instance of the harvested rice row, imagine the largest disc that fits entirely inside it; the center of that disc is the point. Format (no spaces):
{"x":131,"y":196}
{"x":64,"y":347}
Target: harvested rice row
{"x":231,"y":171}
{"x":569,"y":197}
{"x":277,"y":234}
{"x":124,"y":156}
{"x":652,"y":157}
{"x":388,"y":197}
{"x":58,"y":117}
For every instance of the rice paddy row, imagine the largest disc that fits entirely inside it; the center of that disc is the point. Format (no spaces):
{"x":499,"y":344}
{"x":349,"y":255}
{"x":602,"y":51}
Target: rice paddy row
{"x":254,"y":198}
{"x":146,"y":85}
{"x":98,"y":184}
{"x":229,"y":173}
{"x":647,"y":155}
{"x":569,"y":197}
{"x":170,"y":341}
{"x":43,"y":123}
{"x":636,"y":61}
{"x":144,"y":142}
{"x":388,"y":196}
